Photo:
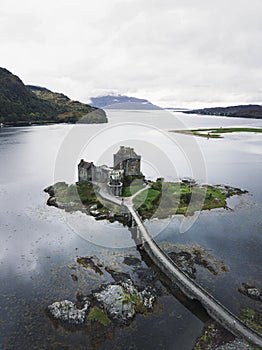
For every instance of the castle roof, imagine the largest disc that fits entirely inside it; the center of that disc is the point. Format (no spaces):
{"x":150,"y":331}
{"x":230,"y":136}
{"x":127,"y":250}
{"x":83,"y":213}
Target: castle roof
{"x":127,"y":152}
{"x":85,"y":165}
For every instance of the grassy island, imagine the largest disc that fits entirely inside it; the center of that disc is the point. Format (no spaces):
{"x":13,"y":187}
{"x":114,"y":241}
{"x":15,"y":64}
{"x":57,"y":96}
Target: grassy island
{"x":215,"y":133}
{"x":158,"y":199}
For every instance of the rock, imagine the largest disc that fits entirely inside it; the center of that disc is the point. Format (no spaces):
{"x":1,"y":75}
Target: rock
{"x":50,"y":190}
{"x":112,"y":298}
{"x":213,"y":335}
{"x":101,"y":217}
{"x":67,"y":311}
{"x":118,"y":301}
{"x":251,"y":291}
{"x":94,"y":213}
{"x":121,"y":301}
{"x":52,"y":202}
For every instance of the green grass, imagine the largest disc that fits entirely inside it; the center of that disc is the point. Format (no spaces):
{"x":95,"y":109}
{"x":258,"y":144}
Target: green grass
{"x":161,"y":200}
{"x":140,"y":199}
{"x":97,"y":315}
{"x":216,"y":132}
{"x":84,"y":193}
{"x":132,"y":189}
{"x":132,"y":184}
{"x":174,"y":198}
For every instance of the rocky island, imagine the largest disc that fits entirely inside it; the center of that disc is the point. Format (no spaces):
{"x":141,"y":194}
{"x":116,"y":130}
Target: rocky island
{"x":151,"y":199}
{"x":115,"y":302}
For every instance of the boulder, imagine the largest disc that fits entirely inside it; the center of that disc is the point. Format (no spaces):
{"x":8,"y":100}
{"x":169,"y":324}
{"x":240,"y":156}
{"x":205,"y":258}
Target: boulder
{"x":112,"y":299}
{"x":121,"y":301}
{"x":251,"y":291}
{"x":52,"y":202}
{"x":67,"y":311}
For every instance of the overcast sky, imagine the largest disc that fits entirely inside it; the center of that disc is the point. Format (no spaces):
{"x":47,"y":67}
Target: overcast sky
{"x":173,"y":52}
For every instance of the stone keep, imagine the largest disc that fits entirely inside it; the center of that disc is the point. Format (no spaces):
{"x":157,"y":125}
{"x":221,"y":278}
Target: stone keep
{"x":127,"y":160}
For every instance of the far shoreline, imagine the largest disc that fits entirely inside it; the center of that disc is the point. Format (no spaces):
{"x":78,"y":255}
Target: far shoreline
{"x":215,"y":133}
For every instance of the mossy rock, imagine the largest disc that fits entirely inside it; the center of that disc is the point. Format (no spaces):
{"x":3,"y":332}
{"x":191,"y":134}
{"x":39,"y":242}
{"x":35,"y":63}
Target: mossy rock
{"x":97,"y":315}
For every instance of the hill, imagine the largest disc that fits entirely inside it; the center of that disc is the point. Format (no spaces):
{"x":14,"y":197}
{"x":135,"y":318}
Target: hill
{"x":122,"y":102}
{"x":23,"y":105}
{"x":242,"y":111}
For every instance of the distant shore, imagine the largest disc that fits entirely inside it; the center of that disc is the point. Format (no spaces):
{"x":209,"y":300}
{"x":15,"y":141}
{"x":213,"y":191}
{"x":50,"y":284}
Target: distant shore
{"x":215,"y":133}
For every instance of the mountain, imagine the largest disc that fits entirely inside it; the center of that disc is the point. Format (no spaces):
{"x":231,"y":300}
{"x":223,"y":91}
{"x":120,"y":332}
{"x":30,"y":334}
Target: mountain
{"x":69,"y":110}
{"x":23,"y":105}
{"x":122,"y":102}
{"x":242,"y":111}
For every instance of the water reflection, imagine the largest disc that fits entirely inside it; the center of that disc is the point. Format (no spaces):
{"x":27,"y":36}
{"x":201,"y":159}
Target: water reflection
{"x":38,"y":249}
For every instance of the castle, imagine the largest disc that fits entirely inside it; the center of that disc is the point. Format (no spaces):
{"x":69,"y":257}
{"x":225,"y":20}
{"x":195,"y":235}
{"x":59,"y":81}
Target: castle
{"x":126,"y":163}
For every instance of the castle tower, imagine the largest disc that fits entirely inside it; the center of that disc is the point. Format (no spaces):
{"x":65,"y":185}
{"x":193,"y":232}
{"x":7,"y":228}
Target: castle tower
{"x":126,"y":159}
{"x":115,"y":183}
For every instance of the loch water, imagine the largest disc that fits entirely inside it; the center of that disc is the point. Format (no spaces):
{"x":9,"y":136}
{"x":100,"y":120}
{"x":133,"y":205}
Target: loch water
{"x":40,"y":244}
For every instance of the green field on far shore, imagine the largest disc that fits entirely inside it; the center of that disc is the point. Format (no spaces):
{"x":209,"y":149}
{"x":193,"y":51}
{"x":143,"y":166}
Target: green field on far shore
{"x":215,"y":133}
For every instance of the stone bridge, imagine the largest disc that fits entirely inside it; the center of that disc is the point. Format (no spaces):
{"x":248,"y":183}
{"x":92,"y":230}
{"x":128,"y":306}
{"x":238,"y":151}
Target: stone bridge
{"x":188,"y":286}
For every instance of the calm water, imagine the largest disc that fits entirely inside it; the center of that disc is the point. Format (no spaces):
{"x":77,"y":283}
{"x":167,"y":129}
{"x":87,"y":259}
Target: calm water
{"x":39,"y":244}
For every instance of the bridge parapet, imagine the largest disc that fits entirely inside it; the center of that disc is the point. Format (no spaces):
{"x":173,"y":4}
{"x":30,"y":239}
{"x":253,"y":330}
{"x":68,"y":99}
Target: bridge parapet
{"x":190,"y":287}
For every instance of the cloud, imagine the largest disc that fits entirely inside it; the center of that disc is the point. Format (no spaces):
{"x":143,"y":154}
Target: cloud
{"x":173,"y":52}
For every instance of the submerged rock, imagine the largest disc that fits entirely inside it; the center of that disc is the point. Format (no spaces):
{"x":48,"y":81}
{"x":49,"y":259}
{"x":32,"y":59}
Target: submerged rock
{"x":185,"y":261}
{"x":118,"y":276}
{"x":146,"y":275}
{"x":67,"y":311}
{"x":131,"y":260}
{"x":188,"y":257}
{"x":88,"y":262}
